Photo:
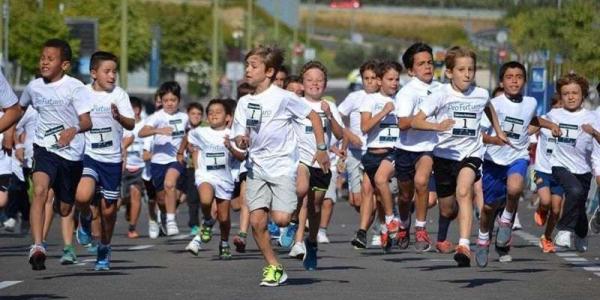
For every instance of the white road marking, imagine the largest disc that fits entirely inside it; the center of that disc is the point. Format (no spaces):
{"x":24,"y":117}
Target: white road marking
{"x":140,"y":247}
{"x":5,"y":284}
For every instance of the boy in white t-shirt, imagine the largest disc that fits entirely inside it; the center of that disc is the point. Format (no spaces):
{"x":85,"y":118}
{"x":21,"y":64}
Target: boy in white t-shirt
{"x":10,"y":106}
{"x":64,"y":105}
{"x":263,"y":125}
{"x":457,"y":109}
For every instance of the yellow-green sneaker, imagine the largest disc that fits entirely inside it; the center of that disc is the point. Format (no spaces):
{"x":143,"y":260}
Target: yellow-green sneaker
{"x":273,"y":276}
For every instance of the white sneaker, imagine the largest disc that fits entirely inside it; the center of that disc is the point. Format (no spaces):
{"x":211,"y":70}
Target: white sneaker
{"x":517,"y":223}
{"x":505,"y":258}
{"x":298,"y":250}
{"x":153,"y":229}
{"x":376,"y":240}
{"x":322,"y":237}
{"x":172,"y":228}
{"x":581,"y":244}
{"x":10,"y":224}
{"x":563,"y":239}
{"x":194,"y":246}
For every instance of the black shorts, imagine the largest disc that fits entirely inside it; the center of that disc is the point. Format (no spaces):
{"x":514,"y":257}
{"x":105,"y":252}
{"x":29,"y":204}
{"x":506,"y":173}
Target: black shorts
{"x":371,"y":162}
{"x":446,"y":172}
{"x":4,"y":182}
{"x":405,"y":163}
{"x":237,"y":187}
{"x":319,"y":180}
{"x":64,"y":174}
{"x":130,"y":179}
{"x":150,"y":189}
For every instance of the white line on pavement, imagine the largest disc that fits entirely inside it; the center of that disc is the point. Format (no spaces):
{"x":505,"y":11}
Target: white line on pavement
{"x":140,"y":247}
{"x":5,"y":284}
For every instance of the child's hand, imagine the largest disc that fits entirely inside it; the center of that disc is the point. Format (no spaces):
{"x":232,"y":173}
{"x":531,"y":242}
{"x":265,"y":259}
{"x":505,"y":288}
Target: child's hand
{"x":322,"y":158}
{"x":66,"y":136}
{"x":502,"y":137}
{"x":587,"y":128}
{"x":227,"y":142}
{"x":115,"y":111}
{"x":164,"y":131}
{"x":388,"y":107}
{"x":446,"y":124}
{"x":556,"y":132}
{"x":325,"y":108}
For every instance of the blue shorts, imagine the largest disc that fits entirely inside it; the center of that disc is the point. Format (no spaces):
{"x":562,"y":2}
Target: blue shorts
{"x":371,"y":162}
{"x":106,"y":175}
{"x":159,"y":171}
{"x":548,"y":181}
{"x":64,"y":174}
{"x":405,"y":163}
{"x":495,"y":176}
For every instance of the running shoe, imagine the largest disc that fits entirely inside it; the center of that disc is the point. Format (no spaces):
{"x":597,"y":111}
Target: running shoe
{"x":581,"y":244}
{"x":194,"y":246}
{"x":376,"y":240}
{"x":103,"y":258}
{"x":84,"y":230}
{"x":10,"y":224}
{"x":286,"y":238}
{"x":37,"y":257}
{"x":462,"y":256}
{"x":393,"y":228}
{"x":153,"y":229}
{"x":517,"y":224}
{"x":322,"y":237}
{"x":68,"y":257}
{"x":482,"y":253}
{"x":547,"y":245}
{"x":92,"y":247}
{"x":194,"y":231}
{"x":298,"y":251}
{"x":403,"y":238}
{"x":540,"y":217}
{"x":273,"y":276}
{"x":172,"y":228}
{"x":360,"y":240}
{"x":240,"y":242}
{"x":310,"y":258}
{"x":503,"y":234}
{"x":274,"y":231}
{"x":563,"y":239}
{"x":132,"y":234}
{"x":384,"y":240}
{"x":206,"y":232}
{"x":422,"y":242}
{"x":224,"y":251}
{"x":595,"y":221}
{"x":444,"y":247}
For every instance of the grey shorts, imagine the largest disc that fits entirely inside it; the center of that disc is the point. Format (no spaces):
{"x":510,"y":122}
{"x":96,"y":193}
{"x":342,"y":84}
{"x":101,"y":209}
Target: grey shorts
{"x":354,"y":169}
{"x":331,"y":190}
{"x":131,"y":179}
{"x":276,"y":195}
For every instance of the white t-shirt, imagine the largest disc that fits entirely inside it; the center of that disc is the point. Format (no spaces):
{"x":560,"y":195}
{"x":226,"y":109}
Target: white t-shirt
{"x":544,"y":150}
{"x":573,"y":148}
{"x":307,"y":144}
{"x":464,"y":139}
{"x":514,"y":119}
{"x":165,"y":147}
{"x":59,"y":105}
{"x":596,"y":149}
{"x":7,"y":96}
{"x":350,"y":107}
{"x":407,"y":102}
{"x":103,"y":140}
{"x":214,"y":159}
{"x":5,"y":159}
{"x":268,"y":118}
{"x":27,"y":125}
{"x":135,"y":151}
{"x":385,"y":134}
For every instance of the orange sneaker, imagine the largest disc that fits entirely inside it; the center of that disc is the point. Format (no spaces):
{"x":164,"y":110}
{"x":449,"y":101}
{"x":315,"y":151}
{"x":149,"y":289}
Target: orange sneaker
{"x":547,"y":245}
{"x":132,"y":234}
{"x":444,"y":247}
{"x":392,"y":228}
{"x":463,"y":256}
{"x":540,"y":216}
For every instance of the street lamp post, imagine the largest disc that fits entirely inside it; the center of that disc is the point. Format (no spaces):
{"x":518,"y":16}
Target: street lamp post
{"x":214,"y":78}
{"x":124,"y":61}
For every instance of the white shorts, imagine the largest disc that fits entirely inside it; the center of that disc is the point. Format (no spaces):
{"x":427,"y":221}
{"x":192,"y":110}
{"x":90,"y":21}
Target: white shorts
{"x":354,"y":169}
{"x":223,"y":189}
{"x":276,"y":195}
{"x":331,"y":190}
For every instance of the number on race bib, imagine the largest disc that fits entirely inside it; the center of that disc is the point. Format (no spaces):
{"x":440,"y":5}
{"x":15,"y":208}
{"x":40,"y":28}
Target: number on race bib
{"x":513,"y":127}
{"x":215,"y":161}
{"x":253,"y":115}
{"x":388,"y":133}
{"x":178,"y":128}
{"x":465,"y":124}
{"x":569,"y":135}
{"x":101,"y":137}
{"x":51,"y":137}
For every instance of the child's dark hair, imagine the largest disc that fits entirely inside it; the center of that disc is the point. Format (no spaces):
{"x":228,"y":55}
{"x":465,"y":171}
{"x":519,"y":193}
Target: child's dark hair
{"x":387,"y":65}
{"x":66,"y":54}
{"x":574,"y":78}
{"x":498,"y":89}
{"x":408,"y":58}
{"x":457,"y":52}
{"x":195,"y":105}
{"x":170,"y":87}
{"x":555,"y":100}
{"x":512,"y":65}
{"x":221,"y":102}
{"x":370,"y":64}
{"x":231,"y":103}
{"x":244,"y":89}
{"x":100,"y":56}
{"x":271,"y":55}
{"x":291,"y":79}
{"x":313,"y":64}
{"x":284,"y":69}
{"x":135,"y":102}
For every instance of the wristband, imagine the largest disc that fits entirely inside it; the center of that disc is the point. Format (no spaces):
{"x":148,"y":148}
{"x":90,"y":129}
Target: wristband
{"x":322,"y":147}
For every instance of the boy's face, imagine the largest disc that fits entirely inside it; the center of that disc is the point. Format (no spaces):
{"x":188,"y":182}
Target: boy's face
{"x":170,"y":103}
{"x":279,"y":79}
{"x":105,"y":76}
{"x":463,"y":73}
{"x":313,"y":81}
{"x":369,"y":81}
{"x":157,"y":102}
{"x":513,"y":81}
{"x":296,"y":88}
{"x":195,"y":116}
{"x":389,"y":82}
{"x":217,"y":117}
{"x":571,"y":96}
{"x":51,"y":65}
{"x":256,"y":71}
{"x":422,"y":67}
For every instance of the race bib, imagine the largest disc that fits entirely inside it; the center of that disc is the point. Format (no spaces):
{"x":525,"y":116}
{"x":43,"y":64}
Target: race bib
{"x":101,"y":137}
{"x":215,"y":161}
{"x":253,"y":115}
{"x":135,"y":149}
{"x":513,"y":127}
{"x":389,"y":133}
{"x":51,"y":137}
{"x":465,"y":124}
{"x":569,"y":135}
{"x":178,"y":128}
{"x":324,"y":121}
{"x":550,"y":144}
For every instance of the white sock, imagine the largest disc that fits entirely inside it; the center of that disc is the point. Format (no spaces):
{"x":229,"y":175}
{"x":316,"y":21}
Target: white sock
{"x":506,"y":217}
{"x":323,"y":230}
{"x":170,"y":217}
{"x":389,"y":219}
{"x":484,"y":236}
{"x":420,"y":223}
{"x":464,"y":242}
